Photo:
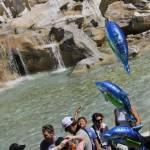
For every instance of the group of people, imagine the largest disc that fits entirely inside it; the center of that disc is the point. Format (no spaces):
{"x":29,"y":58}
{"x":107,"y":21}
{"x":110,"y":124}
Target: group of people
{"x":81,"y":136}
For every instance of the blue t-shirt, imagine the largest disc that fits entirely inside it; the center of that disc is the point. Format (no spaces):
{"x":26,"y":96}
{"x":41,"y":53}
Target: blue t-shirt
{"x":91,"y":133}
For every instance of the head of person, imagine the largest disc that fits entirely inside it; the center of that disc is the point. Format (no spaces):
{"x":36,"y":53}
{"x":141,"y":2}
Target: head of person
{"x":48,"y":132}
{"x":97,"y":119}
{"x":70,"y":125}
{"x":15,"y":146}
{"x":82,"y":122}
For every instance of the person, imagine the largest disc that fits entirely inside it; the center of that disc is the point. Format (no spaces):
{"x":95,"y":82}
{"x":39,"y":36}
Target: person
{"x":70,"y":125}
{"x":15,"y":146}
{"x":121,"y":117}
{"x":82,"y":122}
{"x":76,"y":113}
{"x":100,"y":128}
{"x":49,"y":137}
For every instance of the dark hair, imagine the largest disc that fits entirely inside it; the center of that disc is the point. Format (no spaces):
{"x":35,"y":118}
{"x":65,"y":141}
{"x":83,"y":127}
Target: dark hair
{"x":15,"y":146}
{"x":82,"y":118}
{"x":73,"y":124}
{"x":95,"y":115}
{"x":48,"y":127}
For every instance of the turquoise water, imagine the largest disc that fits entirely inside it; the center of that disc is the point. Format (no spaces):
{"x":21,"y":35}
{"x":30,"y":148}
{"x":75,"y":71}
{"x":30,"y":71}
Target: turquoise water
{"x":47,"y":98}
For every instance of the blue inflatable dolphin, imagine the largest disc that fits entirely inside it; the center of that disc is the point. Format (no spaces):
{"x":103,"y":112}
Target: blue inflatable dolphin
{"x":117,"y":42}
{"x":127,"y":136}
{"x":117,"y":96}
{"x":114,"y":94}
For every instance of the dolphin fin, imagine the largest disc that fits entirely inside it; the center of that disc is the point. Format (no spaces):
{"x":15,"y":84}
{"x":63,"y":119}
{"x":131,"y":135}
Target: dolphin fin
{"x":138,"y":127}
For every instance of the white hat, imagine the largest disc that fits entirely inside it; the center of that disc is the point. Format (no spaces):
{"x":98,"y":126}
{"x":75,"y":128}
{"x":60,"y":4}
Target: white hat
{"x":66,"y":122}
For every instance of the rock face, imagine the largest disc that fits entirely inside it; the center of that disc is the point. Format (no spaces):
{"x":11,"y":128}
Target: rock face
{"x":69,"y":33}
{"x":132,"y":17}
{"x":104,"y":5}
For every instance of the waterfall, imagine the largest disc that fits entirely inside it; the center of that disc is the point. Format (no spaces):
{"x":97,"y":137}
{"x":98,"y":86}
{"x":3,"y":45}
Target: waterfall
{"x":16,"y":62}
{"x":24,"y":65}
{"x":56,"y":52}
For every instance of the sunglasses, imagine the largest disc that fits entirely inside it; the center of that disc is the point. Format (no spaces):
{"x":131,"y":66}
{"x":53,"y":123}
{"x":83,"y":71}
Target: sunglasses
{"x":99,"y":121}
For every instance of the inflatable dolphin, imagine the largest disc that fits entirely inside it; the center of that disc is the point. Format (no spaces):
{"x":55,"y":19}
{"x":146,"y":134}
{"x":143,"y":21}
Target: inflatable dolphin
{"x":116,"y":96}
{"x":127,"y":136}
{"x":117,"y":42}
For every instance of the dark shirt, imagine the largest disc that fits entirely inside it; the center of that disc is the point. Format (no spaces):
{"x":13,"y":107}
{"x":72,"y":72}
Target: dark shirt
{"x":45,"y":145}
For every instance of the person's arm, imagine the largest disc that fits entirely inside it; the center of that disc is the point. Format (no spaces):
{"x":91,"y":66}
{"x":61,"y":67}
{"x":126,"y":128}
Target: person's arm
{"x":75,"y":137}
{"x":97,"y":145}
{"x":61,"y":145}
{"x":136,"y":115}
{"x":76,"y":113}
{"x":80,"y":140}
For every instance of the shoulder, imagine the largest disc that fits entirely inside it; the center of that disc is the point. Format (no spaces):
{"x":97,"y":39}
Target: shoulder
{"x":91,"y":133}
{"x":45,"y":145}
{"x":83,"y":133}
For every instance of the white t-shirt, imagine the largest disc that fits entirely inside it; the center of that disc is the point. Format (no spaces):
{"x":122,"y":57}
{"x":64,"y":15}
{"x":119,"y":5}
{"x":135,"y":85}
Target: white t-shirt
{"x":87,"y":141}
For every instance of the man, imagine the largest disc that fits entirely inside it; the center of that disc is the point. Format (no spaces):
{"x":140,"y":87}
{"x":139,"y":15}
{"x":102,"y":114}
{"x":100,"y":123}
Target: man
{"x":100,"y":128}
{"x":49,"y":137}
{"x":121,"y":117}
{"x":70,"y":125}
{"x":15,"y":146}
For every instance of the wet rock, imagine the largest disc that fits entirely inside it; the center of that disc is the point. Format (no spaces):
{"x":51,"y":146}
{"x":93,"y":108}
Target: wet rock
{"x":97,"y":35}
{"x":73,"y":51}
{"x":94,"y":23}
{"x":77,"y":7}
{"x":56,"y":34}
{"x":104,"y":5}
{"x":133,"y":51}
{"x":140,"y":23}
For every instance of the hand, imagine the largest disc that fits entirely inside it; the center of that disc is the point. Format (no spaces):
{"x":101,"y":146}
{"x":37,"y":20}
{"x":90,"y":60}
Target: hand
{"x":69,"y":137}
{"x":78,"y":109}
{"x":65,"y":141}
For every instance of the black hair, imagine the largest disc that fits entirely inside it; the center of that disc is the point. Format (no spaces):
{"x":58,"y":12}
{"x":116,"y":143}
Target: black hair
{"x":95,"y":115}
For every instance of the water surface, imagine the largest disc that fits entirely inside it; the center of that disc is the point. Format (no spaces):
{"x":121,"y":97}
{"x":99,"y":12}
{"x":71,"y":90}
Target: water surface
{"x":47,"y":98}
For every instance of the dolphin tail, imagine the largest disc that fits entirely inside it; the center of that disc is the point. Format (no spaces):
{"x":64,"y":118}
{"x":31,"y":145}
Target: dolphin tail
{"x":138,"y":127}
{"x":127,"y":68}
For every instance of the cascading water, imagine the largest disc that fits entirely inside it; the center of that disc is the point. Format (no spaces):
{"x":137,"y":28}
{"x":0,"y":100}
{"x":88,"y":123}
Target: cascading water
{"x":56,"y":52}
{"x":16,"y":62}
{"x":22,"y":61}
